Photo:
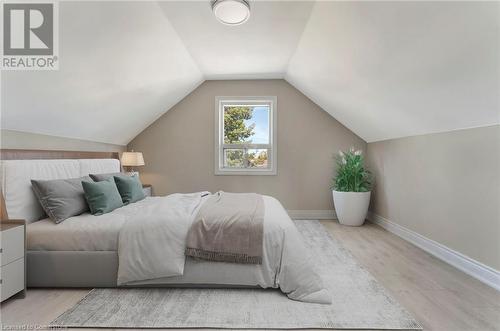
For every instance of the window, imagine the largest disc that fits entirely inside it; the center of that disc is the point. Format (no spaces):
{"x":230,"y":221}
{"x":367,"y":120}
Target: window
{"x":245,"y":136}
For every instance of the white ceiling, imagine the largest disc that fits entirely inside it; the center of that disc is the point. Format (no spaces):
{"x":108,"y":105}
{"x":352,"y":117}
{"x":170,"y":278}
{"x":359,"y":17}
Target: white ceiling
{"x":395,"y":69}
{"x":260,"y":48}
{"x":383,"y":69}
{"x":121,"y":66}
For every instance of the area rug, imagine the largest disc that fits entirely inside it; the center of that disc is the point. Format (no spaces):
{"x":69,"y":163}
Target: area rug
{"x":359,"y":301}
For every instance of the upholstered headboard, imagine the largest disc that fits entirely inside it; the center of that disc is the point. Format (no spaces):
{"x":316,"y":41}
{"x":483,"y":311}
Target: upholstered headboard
{"x":18,"y":167}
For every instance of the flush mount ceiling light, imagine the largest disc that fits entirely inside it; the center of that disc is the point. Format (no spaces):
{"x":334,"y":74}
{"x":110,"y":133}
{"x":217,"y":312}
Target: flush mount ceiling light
{"x":231,"y":12}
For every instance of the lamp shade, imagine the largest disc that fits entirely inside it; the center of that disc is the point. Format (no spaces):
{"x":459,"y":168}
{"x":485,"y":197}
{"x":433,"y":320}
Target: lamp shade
{"x":132,"y":159}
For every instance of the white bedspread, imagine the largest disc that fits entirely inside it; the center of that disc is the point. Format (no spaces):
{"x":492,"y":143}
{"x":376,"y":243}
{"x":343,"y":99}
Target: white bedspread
{"x":149,"y":236}
{"x":152,"y":242}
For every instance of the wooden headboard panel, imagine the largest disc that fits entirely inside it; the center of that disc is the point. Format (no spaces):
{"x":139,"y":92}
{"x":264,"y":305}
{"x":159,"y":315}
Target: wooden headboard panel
{"x":33,"y":154}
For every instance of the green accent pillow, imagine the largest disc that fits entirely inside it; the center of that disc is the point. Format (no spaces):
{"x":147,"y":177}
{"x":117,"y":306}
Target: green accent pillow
{"x":102,"y":197}
{"x":130,"y":188}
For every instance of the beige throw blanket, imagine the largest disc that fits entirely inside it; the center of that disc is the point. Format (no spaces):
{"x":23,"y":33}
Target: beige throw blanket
{"x":228,"y":228}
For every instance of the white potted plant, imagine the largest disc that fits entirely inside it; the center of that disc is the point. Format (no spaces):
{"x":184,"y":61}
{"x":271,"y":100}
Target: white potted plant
{"x":351,"y":188}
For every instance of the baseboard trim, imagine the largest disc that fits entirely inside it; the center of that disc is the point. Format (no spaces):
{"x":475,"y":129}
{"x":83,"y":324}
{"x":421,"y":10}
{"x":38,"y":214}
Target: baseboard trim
{"x":312,"y":214}
{"x":476,"y":269}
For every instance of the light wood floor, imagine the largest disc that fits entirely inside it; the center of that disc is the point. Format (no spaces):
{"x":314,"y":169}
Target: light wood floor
{"x":439,"y":296}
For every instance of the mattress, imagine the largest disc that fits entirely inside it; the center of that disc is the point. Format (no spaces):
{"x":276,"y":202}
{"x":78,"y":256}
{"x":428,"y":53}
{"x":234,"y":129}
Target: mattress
{"x":84,"y":232}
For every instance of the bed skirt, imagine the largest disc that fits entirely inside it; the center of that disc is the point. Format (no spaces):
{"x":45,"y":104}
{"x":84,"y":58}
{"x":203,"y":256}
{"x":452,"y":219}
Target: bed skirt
{"x":71,"y":268}
{"x":89,"y":269}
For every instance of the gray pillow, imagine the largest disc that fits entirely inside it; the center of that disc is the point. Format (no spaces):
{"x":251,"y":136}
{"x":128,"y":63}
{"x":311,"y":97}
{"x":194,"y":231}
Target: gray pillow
{"x":101,"y":177}
{"x":61,"y":198}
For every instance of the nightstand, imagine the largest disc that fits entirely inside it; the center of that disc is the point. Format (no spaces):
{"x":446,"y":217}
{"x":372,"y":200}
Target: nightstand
{"x":12,"y":257}
{"x":148,"y":189}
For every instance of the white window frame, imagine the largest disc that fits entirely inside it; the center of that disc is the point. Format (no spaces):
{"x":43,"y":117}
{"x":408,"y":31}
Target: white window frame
{"x":272,"y":155}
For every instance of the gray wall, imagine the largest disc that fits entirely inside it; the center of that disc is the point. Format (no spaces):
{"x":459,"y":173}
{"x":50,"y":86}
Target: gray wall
{"x":443,"y":186}
{"x":24,"y":140}
{"x":179,"y":147}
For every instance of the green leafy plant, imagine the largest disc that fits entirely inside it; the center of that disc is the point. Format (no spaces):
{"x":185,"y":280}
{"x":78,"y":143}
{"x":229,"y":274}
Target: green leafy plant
{"x":235,"y":129}
{"x":351,"y":173}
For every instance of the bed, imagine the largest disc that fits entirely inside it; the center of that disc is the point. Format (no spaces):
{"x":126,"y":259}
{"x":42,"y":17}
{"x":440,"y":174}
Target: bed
{"x":85,"y":250}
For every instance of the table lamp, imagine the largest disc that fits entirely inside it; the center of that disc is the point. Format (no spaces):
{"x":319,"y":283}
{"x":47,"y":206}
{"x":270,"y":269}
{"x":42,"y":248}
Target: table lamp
{"x":132,"y":159}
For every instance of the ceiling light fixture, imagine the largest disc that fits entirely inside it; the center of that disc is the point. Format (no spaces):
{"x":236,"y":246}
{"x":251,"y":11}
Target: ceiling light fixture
{"x":231,"y":12}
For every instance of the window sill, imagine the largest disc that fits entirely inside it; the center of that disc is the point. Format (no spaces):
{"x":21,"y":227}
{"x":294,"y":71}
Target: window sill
{"x":220,"y":172}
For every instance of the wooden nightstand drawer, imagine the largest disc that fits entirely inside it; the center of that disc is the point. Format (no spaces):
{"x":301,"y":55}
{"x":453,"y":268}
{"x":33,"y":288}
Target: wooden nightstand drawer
{"x":12,"y":244}
{"x":12,"y":276}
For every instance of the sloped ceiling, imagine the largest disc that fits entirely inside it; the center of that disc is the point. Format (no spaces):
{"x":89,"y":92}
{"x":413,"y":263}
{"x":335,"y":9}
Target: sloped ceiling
{"x":395,"y":69}
{"x":383,"y":69}
{"x":121,"y":66}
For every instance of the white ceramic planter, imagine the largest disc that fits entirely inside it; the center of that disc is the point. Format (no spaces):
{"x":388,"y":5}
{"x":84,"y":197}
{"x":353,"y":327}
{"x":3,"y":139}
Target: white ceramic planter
{"x":351,"y":207}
